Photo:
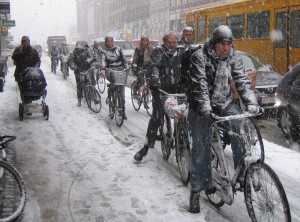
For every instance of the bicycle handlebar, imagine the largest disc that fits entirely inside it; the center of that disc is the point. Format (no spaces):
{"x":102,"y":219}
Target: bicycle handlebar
{"x":172,"y":94}
{"x":8,"y":139}
{"x":245,"y":114}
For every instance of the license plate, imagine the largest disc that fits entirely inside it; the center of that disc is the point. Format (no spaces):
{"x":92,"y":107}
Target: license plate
{"x":267,"y":100}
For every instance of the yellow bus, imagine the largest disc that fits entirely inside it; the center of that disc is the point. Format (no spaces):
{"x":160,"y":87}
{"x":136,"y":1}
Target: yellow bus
{"x":268,"y":29}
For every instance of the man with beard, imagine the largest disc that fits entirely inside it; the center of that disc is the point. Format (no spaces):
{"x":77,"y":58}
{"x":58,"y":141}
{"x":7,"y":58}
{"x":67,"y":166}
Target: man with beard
{"x":24,"y":56}
{"x":165,"y":71}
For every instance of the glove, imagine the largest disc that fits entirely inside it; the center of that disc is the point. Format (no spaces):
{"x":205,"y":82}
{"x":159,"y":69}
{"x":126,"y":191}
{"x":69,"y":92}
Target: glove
{"x":254,"y":109}
{"x":207,"y":119}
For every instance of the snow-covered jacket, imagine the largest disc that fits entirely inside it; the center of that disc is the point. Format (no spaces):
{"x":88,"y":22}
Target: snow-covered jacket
{"x":166,"y":69}
{"x":141,"y":57}
{"x":210,"y":77}
{"x":114,"y":57}
{"x":63,"y":50}
{"x":80,"y":61}
{"x":97,"y":54}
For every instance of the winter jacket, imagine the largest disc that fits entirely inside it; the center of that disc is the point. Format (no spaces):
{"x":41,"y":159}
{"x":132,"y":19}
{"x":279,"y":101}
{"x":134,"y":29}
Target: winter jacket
{"x":97,"y":54}
{"x":24,"y":58}
{"x":210,"y":77}
{"x":165,"y":69}
{"x":63,"y":50}
{"x":142,"y":58}
{"x":114,"y":57}
{"x":80,"y":61}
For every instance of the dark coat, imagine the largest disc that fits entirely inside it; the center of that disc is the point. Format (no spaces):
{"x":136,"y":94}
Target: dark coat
{"x":24,"y":58}
{"x":205,"y":90}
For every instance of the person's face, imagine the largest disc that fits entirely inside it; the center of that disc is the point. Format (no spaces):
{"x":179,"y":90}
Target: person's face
{"x":223,"y":49}
{"x":188,"y":36}
{"x":109,"y":43}
{"x":25,"y":44}
{"x":171,"y":43}
{"x":96,"y":46}
{"x":145,"y":43}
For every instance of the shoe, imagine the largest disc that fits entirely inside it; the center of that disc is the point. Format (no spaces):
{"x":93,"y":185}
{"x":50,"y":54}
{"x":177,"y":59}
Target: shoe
{"x":124,"y":116}
{"x":79,"y":103}
{"x":210,"y":190}
{"x":143,"y":152}
{"x":194,"y":203}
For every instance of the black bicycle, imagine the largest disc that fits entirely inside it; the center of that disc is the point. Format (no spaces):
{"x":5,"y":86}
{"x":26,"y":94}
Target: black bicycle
{"x":12,"y":187}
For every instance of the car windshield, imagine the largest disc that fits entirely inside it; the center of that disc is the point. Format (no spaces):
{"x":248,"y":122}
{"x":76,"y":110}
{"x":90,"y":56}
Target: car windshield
{"x":252,"y":63}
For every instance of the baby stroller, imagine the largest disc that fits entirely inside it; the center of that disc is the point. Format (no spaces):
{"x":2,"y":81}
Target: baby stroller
{"x":33,"y":88}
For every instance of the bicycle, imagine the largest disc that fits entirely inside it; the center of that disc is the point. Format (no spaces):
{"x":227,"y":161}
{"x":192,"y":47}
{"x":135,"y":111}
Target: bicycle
{"x":143,"y":96}
{"x":175,"y":106}
{"x":100,"y":80}
{"x":115,"y":103}
{"x":12,"y":186}
{"x":91,"y":94}
{"x":264,"y":194}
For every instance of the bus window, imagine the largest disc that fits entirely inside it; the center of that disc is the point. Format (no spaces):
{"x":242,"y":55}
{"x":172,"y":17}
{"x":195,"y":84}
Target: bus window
{"x":259,"y":24}
{"x":295,"y":29}
{"x":237,"y":25}
{"x":280,"y":40}
{"x":214,"y":23}
{"x":201,"y":29}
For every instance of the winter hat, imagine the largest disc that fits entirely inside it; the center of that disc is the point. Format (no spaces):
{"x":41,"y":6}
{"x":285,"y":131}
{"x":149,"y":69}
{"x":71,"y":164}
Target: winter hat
{"x":25,"y":38}
{"x":222,"y":33}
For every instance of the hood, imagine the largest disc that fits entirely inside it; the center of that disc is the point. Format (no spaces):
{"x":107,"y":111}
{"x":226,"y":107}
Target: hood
{"x":268,"y":78}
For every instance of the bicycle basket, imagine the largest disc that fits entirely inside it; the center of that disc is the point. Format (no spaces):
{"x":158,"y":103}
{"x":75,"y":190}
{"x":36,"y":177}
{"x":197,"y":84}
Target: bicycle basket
{"x":119,"y":77}
{"x":175,"y":106}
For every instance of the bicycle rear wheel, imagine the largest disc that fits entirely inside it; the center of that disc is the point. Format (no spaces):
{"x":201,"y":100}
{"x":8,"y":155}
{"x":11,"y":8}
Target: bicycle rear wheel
{"x":135,"y":97}
{"x":148,"y":101}
{"x":182,"y":151}
{"x":101,"y":81}
{"x":166,"y":137}
{"x":93,"y":98}
{"x":12,"y":191}
{"x":265,"y":197}
{"x":119,"y":110}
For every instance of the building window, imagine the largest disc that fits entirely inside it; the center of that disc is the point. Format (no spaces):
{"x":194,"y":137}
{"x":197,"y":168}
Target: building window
{"x":295,"y":29}
{"x":214,"y":23}
{"x":259,"y":24}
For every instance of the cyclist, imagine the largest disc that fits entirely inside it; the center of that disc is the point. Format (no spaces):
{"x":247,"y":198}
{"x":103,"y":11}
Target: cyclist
{"x":115,"y":59}
{"x":24,"y":56}
{"x":63,"y":51}
{"x":97,"y":53}
{"x":54,"y":56}
{"x":212,"y":69}
{"x":80,"y":60}
{"x":141,"y":59}
{"x":165,"y":74}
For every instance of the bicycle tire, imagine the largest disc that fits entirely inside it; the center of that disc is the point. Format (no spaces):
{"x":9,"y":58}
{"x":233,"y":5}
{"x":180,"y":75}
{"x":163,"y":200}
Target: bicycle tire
{"x":254,"y":140}
{"x":93,"y":98}
{"x":13,"y":193}
{"x":101,"y":82}
{"x":214,"y":198}
{"x":166,"y":133}
{"x":264,"y":194}
{"x":111,"y":109}
{"x":148,"y":101}
{"x":119,"y":110}
{"x":135,"y":99}
{"x":182,"y":151}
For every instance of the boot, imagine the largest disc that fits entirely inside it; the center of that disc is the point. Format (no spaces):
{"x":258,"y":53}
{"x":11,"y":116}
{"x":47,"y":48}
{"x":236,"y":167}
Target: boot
{"x":143,"y":152}
{"x":79,"y":103}
{"x":194,"y":202}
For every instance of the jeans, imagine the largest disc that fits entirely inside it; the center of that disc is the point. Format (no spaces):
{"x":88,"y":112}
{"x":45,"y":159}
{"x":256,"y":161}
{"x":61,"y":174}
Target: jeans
{"x":200,"y":167}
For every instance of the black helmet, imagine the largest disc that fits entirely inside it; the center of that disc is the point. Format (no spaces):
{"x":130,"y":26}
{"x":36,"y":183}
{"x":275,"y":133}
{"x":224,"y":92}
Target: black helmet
{"x":222,"y":33}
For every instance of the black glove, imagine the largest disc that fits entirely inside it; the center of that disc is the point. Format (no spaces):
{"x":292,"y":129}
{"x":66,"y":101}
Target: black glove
{"x":207,"y":119}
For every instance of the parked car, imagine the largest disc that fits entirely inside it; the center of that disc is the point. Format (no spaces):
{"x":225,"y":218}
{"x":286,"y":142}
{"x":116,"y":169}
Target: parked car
{"x":288,"y":103}
{"x":136,"y":42}
{"x":126,"y":47}
{"x":266,"y":80}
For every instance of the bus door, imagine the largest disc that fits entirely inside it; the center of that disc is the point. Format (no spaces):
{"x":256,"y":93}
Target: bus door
{"x":294,"y":25}
{"x":280,"y":37}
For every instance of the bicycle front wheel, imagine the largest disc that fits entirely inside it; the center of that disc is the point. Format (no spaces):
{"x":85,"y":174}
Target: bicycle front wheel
{"x":148,"y":101}
{"x":93,"y":98}
{"x":135,"y":97}
{"x":265,"y":197}
{"x":119,"y":110}
{"x":166,"y":137}
{"x":182,"y":151}
{"x":101,"y":81}
{"x":12,"y":191}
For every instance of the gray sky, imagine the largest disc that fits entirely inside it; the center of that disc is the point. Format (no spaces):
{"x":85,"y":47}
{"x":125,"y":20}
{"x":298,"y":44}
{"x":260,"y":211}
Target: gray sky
{"x":41,"y":18}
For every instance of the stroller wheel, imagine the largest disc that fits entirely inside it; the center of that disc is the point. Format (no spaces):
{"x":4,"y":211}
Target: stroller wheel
{"x":46,"y":112}
{"x":21,"y":111}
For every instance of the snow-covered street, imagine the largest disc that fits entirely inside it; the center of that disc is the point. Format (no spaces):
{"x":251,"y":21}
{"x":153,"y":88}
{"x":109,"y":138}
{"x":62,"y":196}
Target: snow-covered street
{"x":78,"y":165}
